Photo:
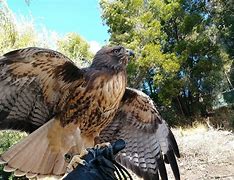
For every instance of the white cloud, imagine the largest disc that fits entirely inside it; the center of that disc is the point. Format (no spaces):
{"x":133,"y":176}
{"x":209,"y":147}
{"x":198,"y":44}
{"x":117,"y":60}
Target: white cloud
{"x":94,"y":46}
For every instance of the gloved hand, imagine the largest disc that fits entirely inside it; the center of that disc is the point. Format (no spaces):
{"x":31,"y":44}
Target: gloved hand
{"x":101,"y":165}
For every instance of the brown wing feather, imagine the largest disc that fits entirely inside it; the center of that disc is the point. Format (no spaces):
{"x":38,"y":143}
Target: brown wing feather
{"x":40,"y":85}
{"x":32,"y":81}
{"x":149,"y":140}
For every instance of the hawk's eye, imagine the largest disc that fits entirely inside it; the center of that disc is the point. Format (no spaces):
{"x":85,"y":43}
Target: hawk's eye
{"x":116,"y":51}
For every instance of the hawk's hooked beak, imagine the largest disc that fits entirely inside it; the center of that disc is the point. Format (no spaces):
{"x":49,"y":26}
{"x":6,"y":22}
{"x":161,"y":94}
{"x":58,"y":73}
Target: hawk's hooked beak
{"x":129,"y":52}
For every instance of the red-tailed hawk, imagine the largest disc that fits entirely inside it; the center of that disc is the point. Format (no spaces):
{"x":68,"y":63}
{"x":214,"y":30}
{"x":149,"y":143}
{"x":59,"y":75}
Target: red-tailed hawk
{"x":65,"y":108}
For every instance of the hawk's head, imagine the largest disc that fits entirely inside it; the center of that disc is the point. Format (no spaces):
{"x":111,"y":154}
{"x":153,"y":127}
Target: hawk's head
{"x":115,"y":58}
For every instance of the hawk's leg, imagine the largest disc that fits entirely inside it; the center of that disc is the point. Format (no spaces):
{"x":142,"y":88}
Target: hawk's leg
{"x":78,"y":152}
{"x":76,"y":160}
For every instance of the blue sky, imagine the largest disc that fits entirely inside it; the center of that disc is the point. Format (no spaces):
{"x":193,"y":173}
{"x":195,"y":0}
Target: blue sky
{"x":63,"y":16}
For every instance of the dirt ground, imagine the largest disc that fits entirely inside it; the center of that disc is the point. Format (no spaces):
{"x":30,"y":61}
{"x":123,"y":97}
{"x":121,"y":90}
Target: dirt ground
{"x":205,"y":154}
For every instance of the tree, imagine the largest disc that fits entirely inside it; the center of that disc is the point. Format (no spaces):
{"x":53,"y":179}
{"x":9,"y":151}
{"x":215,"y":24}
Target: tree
{"x":14,"y":35}
{"x":180,"y":59}
{"x":223,"y":11}
{"x":75,"y":48}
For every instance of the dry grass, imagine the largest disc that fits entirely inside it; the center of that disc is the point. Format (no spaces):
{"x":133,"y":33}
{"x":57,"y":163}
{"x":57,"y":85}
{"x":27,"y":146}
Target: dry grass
{"x":206,"y":153}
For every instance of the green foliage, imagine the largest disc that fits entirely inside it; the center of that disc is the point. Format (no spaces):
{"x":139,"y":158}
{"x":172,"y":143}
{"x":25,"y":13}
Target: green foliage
{"x":75,"y":48}
{"x":7,"y":139}
{"x":13,"y":35}
{"x":223,"y":12}
{"x":182,"y":57}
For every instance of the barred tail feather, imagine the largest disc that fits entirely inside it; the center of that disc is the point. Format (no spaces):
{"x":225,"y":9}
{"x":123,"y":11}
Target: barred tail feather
{"x":37,"y":154}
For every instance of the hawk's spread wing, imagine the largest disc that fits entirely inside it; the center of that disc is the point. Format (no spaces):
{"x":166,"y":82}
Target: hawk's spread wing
{"x":149,"y":140}
{"x":43,"y":90}
{"x":32,"y":82}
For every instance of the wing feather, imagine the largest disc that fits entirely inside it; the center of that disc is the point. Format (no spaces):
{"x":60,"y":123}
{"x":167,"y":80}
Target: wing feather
{"x":32,"y":82}
{"x":150,"y":142}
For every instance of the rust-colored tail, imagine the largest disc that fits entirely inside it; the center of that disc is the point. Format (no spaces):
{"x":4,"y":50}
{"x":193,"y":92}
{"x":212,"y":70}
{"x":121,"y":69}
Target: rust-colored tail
{"x":41,"y":153}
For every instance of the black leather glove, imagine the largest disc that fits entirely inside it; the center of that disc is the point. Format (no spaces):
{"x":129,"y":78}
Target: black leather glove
{"x":101,"y":165}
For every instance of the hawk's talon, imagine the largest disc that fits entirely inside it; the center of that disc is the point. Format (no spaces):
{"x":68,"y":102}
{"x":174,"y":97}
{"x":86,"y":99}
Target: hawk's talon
{"x":84,"y":152}
{"x":102,"y":145}
{"x":76,"y":160}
